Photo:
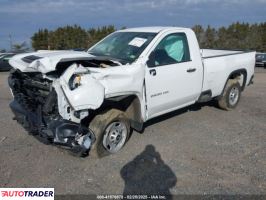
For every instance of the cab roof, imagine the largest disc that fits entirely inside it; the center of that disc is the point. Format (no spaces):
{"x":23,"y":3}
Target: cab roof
{"x":153,"y":29}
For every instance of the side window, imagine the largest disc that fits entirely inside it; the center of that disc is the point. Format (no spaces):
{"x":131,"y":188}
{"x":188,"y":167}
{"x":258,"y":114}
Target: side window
{"x":172,"y":49}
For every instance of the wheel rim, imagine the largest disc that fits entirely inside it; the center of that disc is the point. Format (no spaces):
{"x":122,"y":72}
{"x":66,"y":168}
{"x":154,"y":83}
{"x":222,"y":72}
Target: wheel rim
{"x":233,"y":96}
{"x":115,"y":136}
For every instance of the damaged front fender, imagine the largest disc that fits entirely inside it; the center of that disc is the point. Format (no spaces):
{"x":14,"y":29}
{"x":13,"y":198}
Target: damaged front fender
{"x":88,"y":95}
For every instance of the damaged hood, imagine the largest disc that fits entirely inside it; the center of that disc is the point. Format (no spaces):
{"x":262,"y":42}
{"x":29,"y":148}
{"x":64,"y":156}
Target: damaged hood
{"x":45,"y":61}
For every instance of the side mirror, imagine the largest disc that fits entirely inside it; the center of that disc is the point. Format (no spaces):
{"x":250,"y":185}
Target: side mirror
{"x":151,"y":60}
{"x":159,"y":57}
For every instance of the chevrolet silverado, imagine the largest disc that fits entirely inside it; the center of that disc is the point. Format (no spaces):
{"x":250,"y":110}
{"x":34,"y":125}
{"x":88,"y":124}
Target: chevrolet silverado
{"x":90,"y":101}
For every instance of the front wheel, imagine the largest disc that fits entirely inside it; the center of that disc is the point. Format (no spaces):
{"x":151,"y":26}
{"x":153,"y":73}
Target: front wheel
{"x":231,"y":95}
{"x":112,"y":131}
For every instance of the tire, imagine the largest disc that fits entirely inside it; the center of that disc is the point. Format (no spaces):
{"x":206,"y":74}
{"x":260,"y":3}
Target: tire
{"x":106,"y":126}
{"x":231,"y":95}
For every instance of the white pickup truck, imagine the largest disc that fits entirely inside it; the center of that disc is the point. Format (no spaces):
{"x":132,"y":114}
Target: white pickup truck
{"x":90,"y":101}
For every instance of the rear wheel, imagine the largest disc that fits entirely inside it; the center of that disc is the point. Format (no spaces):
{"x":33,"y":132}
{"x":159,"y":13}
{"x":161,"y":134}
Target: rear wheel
{"x":112,"y":131}
{"x":231,"y":95}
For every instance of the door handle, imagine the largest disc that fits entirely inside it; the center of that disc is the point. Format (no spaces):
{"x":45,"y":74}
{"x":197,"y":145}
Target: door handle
{"x":191,"y":70}
{"x":153,"y":72}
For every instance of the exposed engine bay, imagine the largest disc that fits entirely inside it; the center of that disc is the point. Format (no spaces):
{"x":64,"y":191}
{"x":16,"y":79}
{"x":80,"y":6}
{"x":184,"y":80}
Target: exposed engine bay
{"x":59,"y":94}
{"x":36,"y":101}
{"x":52,"y":105}
{"x":92,"y":62}
{"x":35,"y":106}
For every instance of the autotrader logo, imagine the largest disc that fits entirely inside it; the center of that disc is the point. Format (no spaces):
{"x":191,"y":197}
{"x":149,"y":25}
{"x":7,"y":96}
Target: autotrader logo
{"x":27,"y":193}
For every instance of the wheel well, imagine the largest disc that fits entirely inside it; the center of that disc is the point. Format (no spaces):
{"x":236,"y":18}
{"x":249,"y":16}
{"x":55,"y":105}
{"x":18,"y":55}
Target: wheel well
{"x":233,"y":75}
{"x":238,"y":74}
{"x":130,"y":104}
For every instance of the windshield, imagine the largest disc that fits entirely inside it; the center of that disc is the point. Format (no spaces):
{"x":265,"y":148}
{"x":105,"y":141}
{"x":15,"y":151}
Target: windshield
{"x":123,"y":46}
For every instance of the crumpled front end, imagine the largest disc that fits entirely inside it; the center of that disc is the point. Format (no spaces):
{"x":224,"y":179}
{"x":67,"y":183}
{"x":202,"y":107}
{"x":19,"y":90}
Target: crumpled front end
{"x":35,"y":107}
{"x":56,"y":94}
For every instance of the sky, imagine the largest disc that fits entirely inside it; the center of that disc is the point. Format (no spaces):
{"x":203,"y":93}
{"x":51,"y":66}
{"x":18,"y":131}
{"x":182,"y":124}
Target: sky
{"x":21,"y":18}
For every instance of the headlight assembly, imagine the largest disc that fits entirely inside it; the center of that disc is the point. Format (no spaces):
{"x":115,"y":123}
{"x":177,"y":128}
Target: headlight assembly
{"x":74,"y":81}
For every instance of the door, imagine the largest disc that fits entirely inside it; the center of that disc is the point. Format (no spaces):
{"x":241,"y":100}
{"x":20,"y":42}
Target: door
{"x":172,"y":79}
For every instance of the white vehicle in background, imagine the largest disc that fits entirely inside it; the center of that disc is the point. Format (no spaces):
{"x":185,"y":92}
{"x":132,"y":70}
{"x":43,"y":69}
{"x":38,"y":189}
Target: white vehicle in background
{"x":90,"y":101}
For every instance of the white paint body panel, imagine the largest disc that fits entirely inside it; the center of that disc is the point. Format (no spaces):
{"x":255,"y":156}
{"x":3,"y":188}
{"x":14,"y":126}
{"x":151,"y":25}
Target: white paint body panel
{"x":176,"y":87}
{"x":90,"y":94}
{"x":218,"y":69}
{"x":47,"y":62}
{"x":181,"y":88}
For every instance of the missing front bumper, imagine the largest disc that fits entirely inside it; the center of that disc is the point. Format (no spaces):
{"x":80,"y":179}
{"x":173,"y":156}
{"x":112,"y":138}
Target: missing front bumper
{"x":73,"y":136}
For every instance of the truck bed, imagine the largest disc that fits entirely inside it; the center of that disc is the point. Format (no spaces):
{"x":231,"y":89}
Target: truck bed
{"x":209,"y":53}
{"x":219,"y":64}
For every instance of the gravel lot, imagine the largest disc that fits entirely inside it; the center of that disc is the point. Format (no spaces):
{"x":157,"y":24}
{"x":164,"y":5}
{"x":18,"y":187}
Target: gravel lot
{"x":197,"y":150}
